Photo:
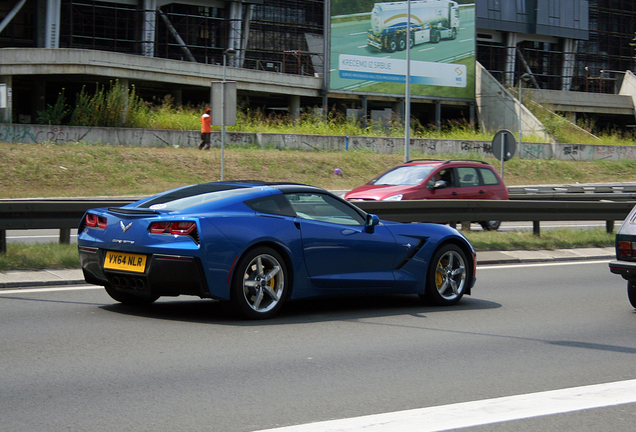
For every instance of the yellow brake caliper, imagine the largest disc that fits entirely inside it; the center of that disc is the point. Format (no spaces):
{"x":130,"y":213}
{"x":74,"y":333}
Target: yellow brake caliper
{"x":439,"y":275}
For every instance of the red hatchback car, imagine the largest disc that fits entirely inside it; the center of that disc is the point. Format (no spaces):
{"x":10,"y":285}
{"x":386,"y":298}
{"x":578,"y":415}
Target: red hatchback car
{"x":436,"y":179}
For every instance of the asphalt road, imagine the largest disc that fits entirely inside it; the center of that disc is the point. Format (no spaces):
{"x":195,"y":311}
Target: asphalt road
{"x":74,"y":360}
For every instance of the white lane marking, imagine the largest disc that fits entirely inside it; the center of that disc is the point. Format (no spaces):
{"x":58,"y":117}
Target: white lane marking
{"x":52,"y":289}
{"x":547,"y":264}
{"x":483,"y":412}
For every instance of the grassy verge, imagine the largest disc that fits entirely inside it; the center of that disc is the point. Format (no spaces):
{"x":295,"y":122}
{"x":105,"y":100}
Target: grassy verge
{"x":549,"y":240}
{"x":39,"y":256}
{"x":56,"y":256}
{"x":73,"y":170}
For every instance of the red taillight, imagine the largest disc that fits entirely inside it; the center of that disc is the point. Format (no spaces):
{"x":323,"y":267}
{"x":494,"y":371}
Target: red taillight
{"x":626,"y":248}
{"x":182,"y":228}
{"x":94,"y":221}
{"x":176,"y":228}
{"x":159,"y":227}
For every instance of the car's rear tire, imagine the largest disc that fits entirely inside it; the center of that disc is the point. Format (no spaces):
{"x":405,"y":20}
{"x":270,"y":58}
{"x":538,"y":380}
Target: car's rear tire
{"x":260,"y":284}
{"x":490,"y":225}
{"x":448,"y":276}
{"x":631,"y":292}
{"x":130,"y":299}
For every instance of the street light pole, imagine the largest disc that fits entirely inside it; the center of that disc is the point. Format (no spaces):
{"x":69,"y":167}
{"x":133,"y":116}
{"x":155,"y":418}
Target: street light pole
{"x":227,"y":53}
{"x":523,"y":78}
{"x":407,"y":96}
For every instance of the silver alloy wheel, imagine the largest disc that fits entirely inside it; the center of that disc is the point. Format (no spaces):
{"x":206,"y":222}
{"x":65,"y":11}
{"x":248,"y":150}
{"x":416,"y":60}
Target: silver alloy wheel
{"x":263,"y":283}
{"x":450,"y":275}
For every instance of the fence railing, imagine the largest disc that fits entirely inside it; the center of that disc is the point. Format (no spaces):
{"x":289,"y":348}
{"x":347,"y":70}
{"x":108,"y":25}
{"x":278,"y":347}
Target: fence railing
{"x":64,"y":214}
{"x":583,"y":192}
{"x":61,"y":213}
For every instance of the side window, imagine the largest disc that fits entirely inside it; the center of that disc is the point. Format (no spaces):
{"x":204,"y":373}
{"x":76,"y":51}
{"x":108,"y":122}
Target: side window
{"x":488,"y":176}
{"x":324,"y":208}
{"x":467,"y":176}
{"x":275,"y":204}
{"x":445,"y":174}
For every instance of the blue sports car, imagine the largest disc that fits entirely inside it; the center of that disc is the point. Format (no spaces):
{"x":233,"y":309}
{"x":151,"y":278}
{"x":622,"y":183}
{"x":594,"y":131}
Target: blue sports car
{"x":259,"y":244}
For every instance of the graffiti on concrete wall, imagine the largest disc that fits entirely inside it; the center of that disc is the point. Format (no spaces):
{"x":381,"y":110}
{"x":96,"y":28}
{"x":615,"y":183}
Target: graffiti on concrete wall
{"x":533,"y":151}
{"x":572,"y":151}
{"x":16,"y":133}
{"x":30,"y":134}
{"x":596,"y":152}
{"x":611,"y":152}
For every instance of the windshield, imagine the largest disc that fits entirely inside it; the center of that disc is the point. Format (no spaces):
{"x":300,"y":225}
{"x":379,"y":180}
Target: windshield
{"x":403,"y":175}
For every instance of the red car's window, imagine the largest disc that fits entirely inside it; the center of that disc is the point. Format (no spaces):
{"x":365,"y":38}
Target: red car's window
{"x":467,"y":176}
{"x":488,"y":176}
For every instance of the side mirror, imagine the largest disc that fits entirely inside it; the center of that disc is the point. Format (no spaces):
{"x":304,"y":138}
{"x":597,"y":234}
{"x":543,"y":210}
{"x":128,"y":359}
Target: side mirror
{"x":439,"y":184}
{"x":371,"y":222}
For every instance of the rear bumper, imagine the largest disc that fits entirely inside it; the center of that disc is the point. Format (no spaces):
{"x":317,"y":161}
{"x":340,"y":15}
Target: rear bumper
{"x":627,"y":269}
{"x":164,"y":275}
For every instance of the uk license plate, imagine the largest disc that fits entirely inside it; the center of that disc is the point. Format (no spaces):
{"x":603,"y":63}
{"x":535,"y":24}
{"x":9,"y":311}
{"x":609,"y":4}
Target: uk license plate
{"x":125,"y":261}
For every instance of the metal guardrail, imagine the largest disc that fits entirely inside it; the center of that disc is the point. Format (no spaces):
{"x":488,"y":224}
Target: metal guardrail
{"x":452,"y":211}
{"x":64,"y":214}
{"x":584,"y":192}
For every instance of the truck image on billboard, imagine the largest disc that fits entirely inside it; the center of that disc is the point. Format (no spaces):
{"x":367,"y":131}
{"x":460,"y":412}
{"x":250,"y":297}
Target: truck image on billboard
{"x":368,"y":43}
{"x":430,"y":22}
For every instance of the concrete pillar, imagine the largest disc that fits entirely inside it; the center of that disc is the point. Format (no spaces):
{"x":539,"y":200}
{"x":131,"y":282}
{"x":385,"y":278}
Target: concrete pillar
{"x":567,"y":69}
{"x":438,"y":115}
{"x":235,"y":23}
{"x":249,"y":9}
{"x":365,"y":111}
{"x":52,"y":24}
{"x":38,"y":98}
{"x":177,"y":97}
{"x":6,"y":99}
{"x":294,"y":107}
{"x":398,"y":108}
{"x":149,"y":27}
{"x":124,"y":88}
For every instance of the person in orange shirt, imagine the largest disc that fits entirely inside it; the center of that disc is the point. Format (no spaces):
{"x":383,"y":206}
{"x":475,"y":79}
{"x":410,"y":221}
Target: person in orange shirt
{"x":206,"y":130}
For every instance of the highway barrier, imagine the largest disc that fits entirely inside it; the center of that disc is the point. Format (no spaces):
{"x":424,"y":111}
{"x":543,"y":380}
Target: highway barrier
{"x":65,"y":213}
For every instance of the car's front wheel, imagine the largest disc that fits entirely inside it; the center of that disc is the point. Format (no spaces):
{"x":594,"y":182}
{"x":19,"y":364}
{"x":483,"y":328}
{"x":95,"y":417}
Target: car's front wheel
{"x":260,"y":284}
{"x":448,"y":276}
{"x":130,"y":299}
{"x":631,"y":292}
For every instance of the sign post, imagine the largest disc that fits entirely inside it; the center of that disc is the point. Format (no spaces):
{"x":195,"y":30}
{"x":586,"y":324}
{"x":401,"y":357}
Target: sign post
{"x":504,"y":147}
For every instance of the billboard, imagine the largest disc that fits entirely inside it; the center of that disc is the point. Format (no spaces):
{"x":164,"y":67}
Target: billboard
{"x":368,"y":46}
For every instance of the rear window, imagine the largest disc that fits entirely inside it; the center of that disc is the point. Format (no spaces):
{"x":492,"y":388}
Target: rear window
{"x":273,"y":204}
{"x":192,"y":196}
{"x":488,"y":176}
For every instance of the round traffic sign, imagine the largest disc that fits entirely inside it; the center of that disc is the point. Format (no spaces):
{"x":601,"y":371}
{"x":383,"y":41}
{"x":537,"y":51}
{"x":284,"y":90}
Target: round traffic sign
{"x":504,"y":145}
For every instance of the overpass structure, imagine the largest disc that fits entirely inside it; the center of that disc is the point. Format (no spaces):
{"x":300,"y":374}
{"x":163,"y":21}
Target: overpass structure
{"x":178,"y":47}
